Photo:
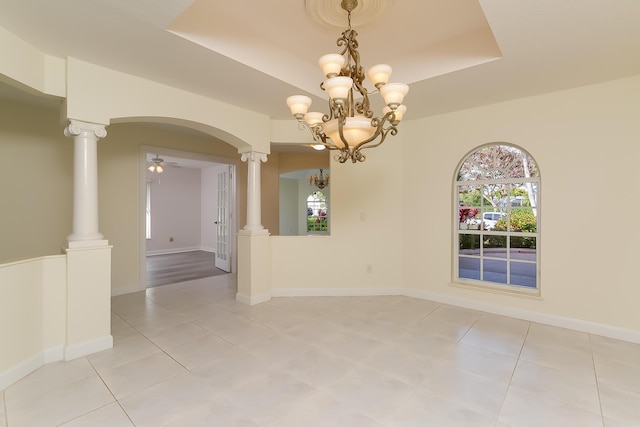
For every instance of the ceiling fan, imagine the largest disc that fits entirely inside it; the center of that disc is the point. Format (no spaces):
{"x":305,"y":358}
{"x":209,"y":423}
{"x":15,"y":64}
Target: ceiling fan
{"x":158,"y":164}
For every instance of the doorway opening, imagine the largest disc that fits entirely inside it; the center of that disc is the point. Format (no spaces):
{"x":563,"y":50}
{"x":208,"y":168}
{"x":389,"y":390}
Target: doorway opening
{"x":188,"y":212}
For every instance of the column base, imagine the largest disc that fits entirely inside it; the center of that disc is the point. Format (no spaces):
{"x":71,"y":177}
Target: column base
{"x":78,"y":244}
{"x":254,"y":267}
{"x":88,"y":304}
{"x":254,"y":231}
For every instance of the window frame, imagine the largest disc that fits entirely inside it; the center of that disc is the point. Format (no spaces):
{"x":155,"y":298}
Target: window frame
{"x":148,"y":211}
{"x":512,"y":257}
{"x":318,"y":201}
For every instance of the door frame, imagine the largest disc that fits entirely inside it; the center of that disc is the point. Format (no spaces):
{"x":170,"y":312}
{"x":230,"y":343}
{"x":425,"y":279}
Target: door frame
{"x":149,"y":149}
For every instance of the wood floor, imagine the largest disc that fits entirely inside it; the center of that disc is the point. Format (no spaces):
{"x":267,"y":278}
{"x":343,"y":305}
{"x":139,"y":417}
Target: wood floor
{"x":180,"y":267}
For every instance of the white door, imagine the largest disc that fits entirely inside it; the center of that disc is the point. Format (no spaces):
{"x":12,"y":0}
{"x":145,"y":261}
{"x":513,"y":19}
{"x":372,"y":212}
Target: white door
{"x":223,"y":223}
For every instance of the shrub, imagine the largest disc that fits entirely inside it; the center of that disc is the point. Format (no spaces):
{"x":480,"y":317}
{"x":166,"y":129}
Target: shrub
{"x":521,"y":220}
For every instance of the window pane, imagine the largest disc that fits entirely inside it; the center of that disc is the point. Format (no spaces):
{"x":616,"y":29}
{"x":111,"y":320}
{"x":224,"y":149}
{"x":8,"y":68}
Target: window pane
{"x":469,"y":244}
{"x":523,"y":220}
{"x":468,"y":268}
{"x":494,"y":271}
{"x":469,"y":195}
{"x":523,"y":248}
{"x":523,"y":274}
{"x":490,"y":217}
{"x":495,"y":246}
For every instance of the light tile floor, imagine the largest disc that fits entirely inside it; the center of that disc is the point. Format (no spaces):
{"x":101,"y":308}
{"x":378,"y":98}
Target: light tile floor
{"x":189,"y":355}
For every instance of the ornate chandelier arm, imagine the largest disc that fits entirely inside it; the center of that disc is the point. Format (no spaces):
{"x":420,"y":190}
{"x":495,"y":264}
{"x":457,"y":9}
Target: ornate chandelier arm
{"x":383,"y":135}
{"x":388,"y":118}
{"x":378,"y":123}
{"x":346,"y":154}
{"x":320,"y":137}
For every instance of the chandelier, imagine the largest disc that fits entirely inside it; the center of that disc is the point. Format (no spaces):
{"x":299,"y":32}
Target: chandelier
{"x":321,"y":182}
{"x":350,"y":125}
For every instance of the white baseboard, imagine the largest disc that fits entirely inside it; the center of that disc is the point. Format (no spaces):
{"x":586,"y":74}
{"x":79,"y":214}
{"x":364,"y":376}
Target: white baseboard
{"x":335,"y":292}
{"x":53,"y":354}
{"x":50,"y":355}
{"x":88,"y":347}
{"x":172,"y":251}
{"x":126,"y":290}
{"x":532,"y":316}
{"x":19,"y":371}
{"x":256,"y":299}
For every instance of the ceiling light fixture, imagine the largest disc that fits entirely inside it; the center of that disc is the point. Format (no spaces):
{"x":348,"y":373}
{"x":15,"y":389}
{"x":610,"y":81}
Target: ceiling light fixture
{"x":350,"y":126}
{"x":321,"y":182}
{"x":156,"y":166}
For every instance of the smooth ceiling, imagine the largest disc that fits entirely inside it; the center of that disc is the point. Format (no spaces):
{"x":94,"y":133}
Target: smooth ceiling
{"x":455,"y":54}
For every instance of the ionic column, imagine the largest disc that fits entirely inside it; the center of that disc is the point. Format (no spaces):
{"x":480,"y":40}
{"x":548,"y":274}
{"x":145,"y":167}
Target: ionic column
{"x":254,"y":251}
{"x":254,"y":208}
{"x":85,"y":183}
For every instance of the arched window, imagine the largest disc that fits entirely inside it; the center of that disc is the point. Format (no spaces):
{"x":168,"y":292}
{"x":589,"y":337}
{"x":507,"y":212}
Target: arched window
{"x":317,"y":213}
{"x":496,"y":220}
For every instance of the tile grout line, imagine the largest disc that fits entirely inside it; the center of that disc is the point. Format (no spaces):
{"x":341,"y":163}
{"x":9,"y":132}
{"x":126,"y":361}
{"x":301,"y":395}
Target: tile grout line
{"x":512,"y":374}
{"x":115,"y":400}
{"x":595,"y":375}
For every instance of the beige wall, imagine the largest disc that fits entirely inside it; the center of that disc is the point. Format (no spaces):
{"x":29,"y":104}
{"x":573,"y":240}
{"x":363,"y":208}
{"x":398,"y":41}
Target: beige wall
{"x":586,"y":144}
{"x":364,"y":251}
{"x":391,"y":214}
{"x":36,"y":182}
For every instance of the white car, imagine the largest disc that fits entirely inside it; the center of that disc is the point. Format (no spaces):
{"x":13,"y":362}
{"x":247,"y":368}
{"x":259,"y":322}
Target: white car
{"x":491,"y":218}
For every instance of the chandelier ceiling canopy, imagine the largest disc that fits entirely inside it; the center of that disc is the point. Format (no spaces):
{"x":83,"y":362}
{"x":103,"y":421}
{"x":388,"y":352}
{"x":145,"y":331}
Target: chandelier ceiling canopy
{"x":350,"y":126}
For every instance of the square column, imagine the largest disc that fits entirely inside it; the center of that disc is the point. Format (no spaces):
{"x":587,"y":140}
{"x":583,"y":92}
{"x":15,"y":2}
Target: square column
{"x":88,"y":301}
{"x":254,"y":267}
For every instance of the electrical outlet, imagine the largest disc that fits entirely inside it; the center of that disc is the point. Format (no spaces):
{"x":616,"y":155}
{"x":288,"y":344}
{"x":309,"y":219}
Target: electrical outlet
{"x":369,"y":268}
{"x":171,"y":239}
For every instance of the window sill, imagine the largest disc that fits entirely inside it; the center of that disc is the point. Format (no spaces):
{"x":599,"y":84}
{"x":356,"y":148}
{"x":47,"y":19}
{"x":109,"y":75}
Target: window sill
{"x":509,"y":290}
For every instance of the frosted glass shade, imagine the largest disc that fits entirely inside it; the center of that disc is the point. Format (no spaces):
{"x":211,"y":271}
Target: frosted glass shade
{"x":356,"y":130}
{"x":299,"y":104}
{"x":338,"y":87}
{"x":313,"y":117}
{"x":394,"y":93}
{"x":331,"y":64}
{"x":399,"y":111}
{"x":379,"y":74}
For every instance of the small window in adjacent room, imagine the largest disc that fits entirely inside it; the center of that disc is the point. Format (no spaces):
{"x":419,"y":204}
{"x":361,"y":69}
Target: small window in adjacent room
{"x":148,"y":213}
{"x":496,"y":220}
{"x":317,"y":213}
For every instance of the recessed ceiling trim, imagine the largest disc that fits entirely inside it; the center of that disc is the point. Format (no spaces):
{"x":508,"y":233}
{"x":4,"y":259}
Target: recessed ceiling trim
{"x":330,"y":12}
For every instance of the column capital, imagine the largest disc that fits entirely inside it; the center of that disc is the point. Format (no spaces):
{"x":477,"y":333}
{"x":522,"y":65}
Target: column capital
{"x":77,"y":127}
{"x":254,"y":156}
